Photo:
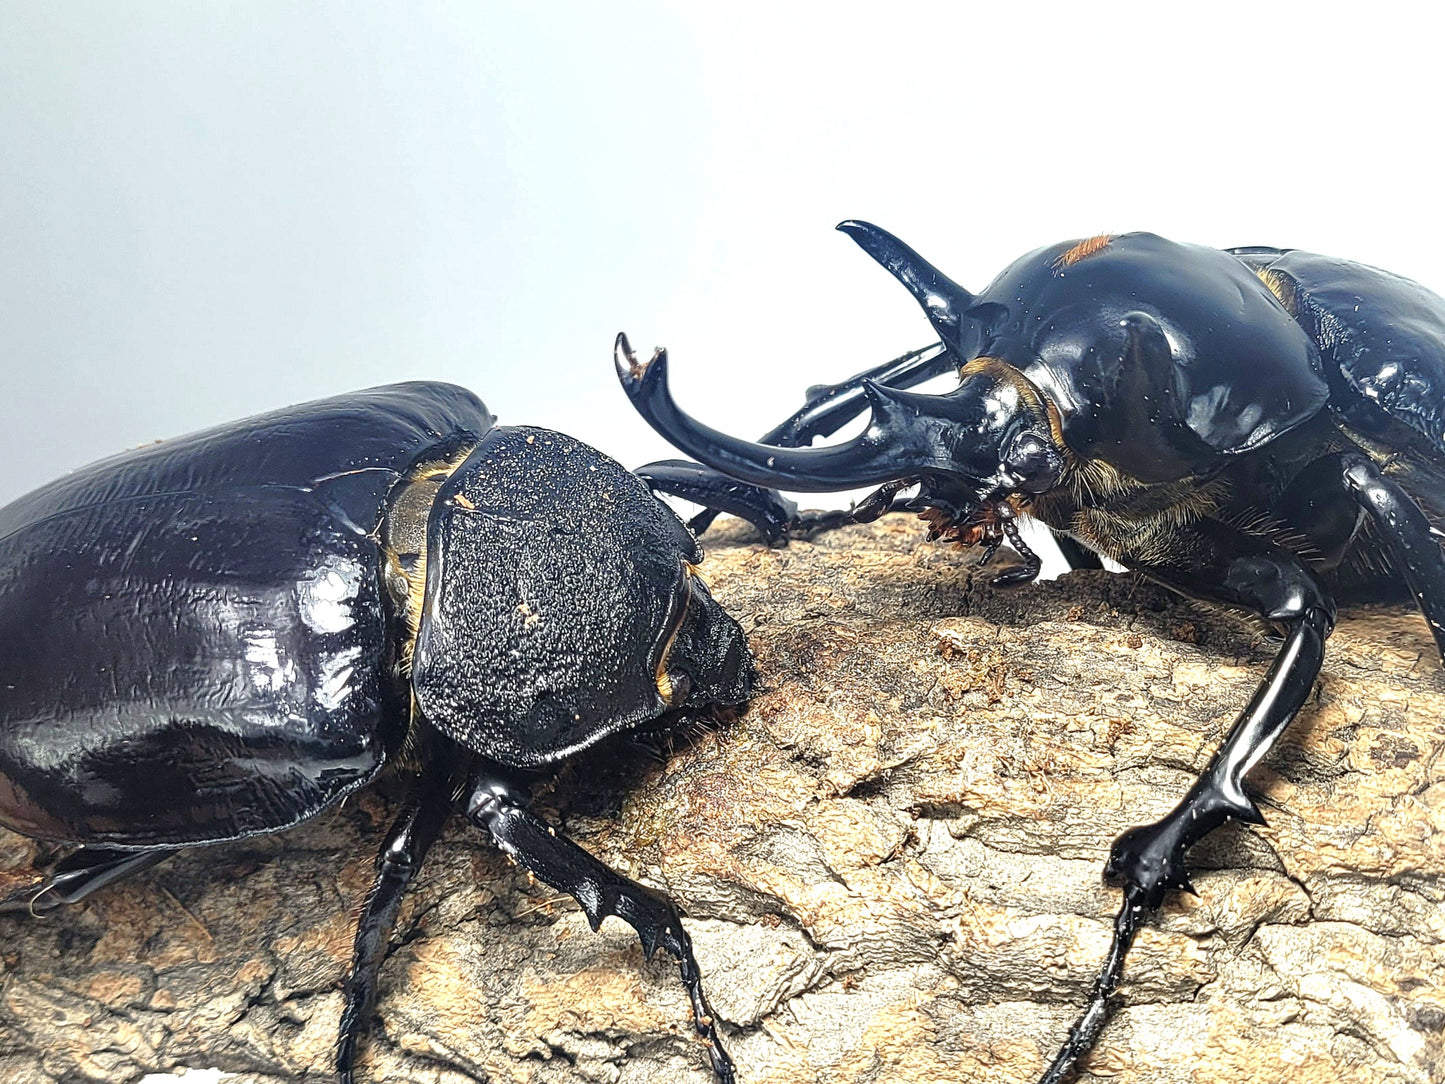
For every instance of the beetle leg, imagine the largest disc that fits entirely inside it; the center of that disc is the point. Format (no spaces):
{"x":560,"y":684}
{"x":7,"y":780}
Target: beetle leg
{"x":406,"y":845}
{"x":557,"y":861}
{"x":1237,"y":570}
{"x":79,"y":874}
{"x":1406,"y":534}
{"x":766,"y":509}
{"x":1026,"y":572}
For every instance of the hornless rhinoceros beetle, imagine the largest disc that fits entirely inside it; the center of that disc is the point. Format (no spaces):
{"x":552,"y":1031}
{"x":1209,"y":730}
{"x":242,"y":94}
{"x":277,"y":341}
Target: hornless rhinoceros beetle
{"x":226,"y":634}
{"x":1260,"y":428}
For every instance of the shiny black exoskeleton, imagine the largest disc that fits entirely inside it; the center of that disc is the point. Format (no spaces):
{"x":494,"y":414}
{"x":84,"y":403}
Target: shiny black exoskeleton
{"x":1262,"y":428}
{"x":228,"y":633}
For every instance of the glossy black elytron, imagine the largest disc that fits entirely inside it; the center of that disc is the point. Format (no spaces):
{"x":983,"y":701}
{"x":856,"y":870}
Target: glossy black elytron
{"x":227,"y":633}
{"x":1262,"y":428}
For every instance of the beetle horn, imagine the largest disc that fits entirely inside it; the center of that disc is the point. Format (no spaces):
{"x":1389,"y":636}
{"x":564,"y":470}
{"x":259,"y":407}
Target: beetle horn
{"x":945,"y":301}
{"x":907,"y":435}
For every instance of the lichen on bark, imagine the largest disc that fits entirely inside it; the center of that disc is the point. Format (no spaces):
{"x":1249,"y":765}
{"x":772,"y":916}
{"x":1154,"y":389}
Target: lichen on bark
{"x":891,"y":863}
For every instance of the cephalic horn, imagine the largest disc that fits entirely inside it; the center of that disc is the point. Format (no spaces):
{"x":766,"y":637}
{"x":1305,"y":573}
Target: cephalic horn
{"x":908,"y":434}
{"x":944,"y":301}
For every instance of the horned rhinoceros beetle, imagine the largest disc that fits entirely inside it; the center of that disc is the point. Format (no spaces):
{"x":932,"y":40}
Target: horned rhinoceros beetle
{"x":1261,"y":428}
{"x":228,"y":633}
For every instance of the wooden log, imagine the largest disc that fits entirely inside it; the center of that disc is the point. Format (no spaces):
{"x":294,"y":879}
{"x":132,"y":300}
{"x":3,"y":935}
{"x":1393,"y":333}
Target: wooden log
{"x":891,"y":863}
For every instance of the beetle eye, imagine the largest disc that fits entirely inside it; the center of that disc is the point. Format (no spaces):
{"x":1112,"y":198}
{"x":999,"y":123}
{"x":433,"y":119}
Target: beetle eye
{"x":1032,"y":464}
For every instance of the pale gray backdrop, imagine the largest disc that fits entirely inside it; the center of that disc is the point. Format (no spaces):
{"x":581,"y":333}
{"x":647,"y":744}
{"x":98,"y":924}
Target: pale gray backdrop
{"x":211,"y":209}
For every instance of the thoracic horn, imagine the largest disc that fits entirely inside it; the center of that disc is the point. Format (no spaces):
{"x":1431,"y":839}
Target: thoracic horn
{"x":943,"y":300}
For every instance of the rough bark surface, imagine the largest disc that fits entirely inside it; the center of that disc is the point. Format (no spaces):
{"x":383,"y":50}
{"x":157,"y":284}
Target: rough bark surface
{"x":891,"y":863}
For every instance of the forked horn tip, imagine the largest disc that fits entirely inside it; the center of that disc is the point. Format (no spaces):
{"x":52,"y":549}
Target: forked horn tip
{"x":622,"y":355}
{"x":629,"y":370}
{"x":856,"y":228}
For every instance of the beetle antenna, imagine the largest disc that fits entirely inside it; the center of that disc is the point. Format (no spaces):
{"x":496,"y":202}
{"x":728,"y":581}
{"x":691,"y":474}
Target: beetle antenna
{"x":1085,"y":1032}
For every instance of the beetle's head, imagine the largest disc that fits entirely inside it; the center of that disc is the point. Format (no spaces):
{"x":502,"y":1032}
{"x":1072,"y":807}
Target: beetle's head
{"x":563,"y":605}
{"x":702,"y":658}
{"x":1154,"y":359}
{"x":1131,"y":356}
{"x":974,"y":453}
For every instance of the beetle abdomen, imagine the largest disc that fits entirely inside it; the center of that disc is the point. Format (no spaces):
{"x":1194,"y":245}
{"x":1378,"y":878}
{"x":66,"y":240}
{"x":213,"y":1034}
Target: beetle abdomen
{"x":193,"y":644}
{"x":1379,"y":332}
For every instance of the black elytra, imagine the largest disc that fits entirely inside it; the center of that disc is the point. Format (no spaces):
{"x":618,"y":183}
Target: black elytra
{"x":227,"y":633}
{"x":1260,"y":428}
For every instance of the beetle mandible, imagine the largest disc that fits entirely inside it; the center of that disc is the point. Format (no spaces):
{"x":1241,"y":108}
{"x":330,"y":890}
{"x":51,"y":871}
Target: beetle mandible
{"x":228,"y":633}
{"x":1260,"y":428}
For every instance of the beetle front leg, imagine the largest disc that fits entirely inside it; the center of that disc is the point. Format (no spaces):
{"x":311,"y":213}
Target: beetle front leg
{"x":78,"y":875}
{"x":766,"y":509}
{"x":829,"y":407}
{"x":601,"y":891}
{"x":1240,"y":571}
{"x":402,"y":852}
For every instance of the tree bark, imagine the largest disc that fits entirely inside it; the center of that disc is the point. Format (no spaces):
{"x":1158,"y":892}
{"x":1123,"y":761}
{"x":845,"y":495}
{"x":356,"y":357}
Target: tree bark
{"x":891,"y":863}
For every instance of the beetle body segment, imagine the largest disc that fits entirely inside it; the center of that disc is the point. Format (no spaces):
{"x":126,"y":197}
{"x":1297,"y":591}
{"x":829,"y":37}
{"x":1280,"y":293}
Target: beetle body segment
{"x":194,"y":639}
{"x":1149,"y":381}
{"x":227,"y":633}
{"x":1262,"y":429}
{"x":501,"y":666}
{"x":1379,"y":333}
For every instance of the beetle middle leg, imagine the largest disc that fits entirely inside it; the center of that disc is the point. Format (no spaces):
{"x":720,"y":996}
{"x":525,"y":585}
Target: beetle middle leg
{"x":1240,"y":570}
{"x":601,"y":891}
{"x":79,"y":874}
{"x":402,"y":852}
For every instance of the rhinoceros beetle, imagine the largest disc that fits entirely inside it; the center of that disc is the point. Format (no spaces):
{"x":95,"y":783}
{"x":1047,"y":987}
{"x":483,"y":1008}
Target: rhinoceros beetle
{"x":228,"y":633}
{"x":1260,"y":428}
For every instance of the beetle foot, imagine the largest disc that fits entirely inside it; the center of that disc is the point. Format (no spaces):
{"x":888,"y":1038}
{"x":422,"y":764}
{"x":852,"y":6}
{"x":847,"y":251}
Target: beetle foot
{"x":1149,"y":860}
{"x":1032,"y":564}
{"x":1087,"y":1028}
{"x":600,"y":891}
{"x":78,"y":875}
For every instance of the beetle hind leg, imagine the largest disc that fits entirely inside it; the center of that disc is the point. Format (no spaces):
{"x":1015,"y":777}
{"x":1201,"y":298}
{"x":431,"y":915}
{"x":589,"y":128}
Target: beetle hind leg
{"x":78,"y":875}
{"x":402,"y":852}
{"x":1406,"y":533}
{"x":601,"y":891}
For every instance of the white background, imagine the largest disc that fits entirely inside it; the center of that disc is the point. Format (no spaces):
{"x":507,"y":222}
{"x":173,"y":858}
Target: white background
{"x":208,"y":210}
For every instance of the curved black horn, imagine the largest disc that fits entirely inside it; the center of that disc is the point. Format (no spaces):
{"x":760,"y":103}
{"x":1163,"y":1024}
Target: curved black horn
{"x":944,"y":300}
{"x":902,"y":438}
